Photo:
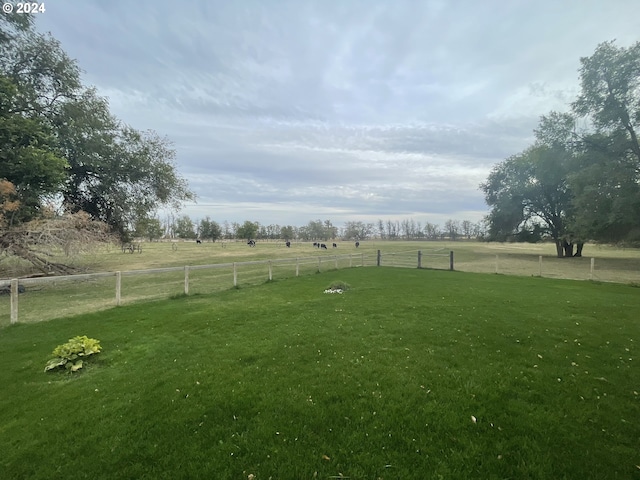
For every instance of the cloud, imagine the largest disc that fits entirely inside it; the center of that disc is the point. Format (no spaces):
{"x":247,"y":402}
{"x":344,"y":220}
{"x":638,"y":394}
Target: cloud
{"x":287,"y":111}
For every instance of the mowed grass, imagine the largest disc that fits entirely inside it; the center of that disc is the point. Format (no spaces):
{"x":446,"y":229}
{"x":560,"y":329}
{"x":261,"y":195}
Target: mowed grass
{"x":410,"y":374}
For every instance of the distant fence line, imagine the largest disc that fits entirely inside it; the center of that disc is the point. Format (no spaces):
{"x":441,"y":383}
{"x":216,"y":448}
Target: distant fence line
{"x":234,"y":270}
{"x":55,"y":298}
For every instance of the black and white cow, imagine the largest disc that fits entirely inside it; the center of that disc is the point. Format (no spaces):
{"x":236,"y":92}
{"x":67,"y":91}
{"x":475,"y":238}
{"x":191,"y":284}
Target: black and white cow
{"x":251,"y":243}
{"x":288,"y":244}
{"x":322,"y":245}
{"x":198,"y":241}
{"x":335,"y":245}
{"x":357,"y":244}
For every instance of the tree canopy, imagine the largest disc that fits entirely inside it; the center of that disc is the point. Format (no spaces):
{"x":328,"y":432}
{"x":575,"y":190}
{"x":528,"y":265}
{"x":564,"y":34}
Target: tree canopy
{"x":59,"y":137}
{"x":61,"y":147}
{"x":573,"y":184}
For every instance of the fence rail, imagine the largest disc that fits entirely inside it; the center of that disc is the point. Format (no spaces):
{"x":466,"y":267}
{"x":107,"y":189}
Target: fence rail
{"x":45,"y":298}
{"x":73,"y":294}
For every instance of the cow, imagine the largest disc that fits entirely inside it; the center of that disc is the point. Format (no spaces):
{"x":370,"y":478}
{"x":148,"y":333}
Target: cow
{"x":357,"y":244}
{"x":198,"y":241}
{"x":288,"y":244}
{"x":6,"y":290}
{"x":322,"y":245}
{"x":316,"y":244}
{"x":335,"y":245}
{"x":251,"y":243}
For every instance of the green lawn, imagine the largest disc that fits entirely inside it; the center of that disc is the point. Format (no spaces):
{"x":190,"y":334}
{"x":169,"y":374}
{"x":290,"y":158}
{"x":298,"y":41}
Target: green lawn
{"x":410,"y":374}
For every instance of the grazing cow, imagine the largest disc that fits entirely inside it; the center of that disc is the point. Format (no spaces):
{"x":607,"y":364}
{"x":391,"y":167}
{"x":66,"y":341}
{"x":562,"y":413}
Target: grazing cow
{"x":316,"y":244}
{"x":357,"y":244}
{"x":6,"y":290}
{"x":251,"y":243}
{"x":288,"y":244}
{"x":335,"y":245}
{"x":198,"y":241}
{"x":322,"y":245}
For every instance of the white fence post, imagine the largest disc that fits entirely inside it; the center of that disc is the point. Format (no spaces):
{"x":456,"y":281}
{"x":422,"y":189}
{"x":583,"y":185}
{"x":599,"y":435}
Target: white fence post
{"x":186,"y":279}
{"x":540,"y":264}
{"x":297,"y":267}
{"x":118,"y":288}
{"x":270,"y":273}
{"x":419,"y":258}
{"x":593,"y":263}
{"x":14,"y":300}
{"x":235,"y":275}
{"x":496,"y":263}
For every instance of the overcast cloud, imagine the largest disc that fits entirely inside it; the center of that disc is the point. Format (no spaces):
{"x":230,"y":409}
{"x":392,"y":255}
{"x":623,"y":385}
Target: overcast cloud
{"x":290,"y":111}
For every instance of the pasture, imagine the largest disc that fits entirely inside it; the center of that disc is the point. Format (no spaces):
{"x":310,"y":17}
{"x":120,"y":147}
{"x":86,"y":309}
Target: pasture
{"x":408,"y":374}
{"x":63,"y":297}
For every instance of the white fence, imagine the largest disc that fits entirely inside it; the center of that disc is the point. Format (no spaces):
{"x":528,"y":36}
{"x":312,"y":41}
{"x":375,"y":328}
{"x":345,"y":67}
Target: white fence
{"x":50,"y":297}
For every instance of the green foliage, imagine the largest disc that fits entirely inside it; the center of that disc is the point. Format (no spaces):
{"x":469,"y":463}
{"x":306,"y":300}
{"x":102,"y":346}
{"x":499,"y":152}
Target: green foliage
{"x":287,"y":232}
{"x":70,"y":355}
{"x":528,"y":188}
{"x":150,"y":228}
{"x":27,"y":154}
{"x":318,"y":230}
{"x":357,"y":230}
{"x":209,"y":229}
{"x":606,"y":178}
{"x":58,"y":137}
{"x":578,"y":184}
{"x":185,"y":228}
{"x":247,"y":230}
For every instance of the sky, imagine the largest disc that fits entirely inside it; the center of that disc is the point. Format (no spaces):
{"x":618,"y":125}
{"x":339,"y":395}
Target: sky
{"x":288,"y":111}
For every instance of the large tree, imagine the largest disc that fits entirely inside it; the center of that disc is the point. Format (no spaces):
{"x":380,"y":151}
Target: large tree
{"x":28,"y":158}
{"x":185,"y":228}
{"x":59,"y":143}
{"x":117,"y":174}
{"x":35,"y":78}
{"x":150,"y":228}
{"x":529,"y":196}
{"x":209,"y":229}
{"x":578,"y":184}
{"x":607,"y":185}
{"x":247,"y":230}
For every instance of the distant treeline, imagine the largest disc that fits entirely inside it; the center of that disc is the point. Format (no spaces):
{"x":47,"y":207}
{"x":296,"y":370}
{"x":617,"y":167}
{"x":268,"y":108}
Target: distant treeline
{"x":183,"y":227}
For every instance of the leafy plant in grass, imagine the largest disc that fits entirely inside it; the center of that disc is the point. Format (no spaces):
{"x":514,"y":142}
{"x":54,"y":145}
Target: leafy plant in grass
{"x":337,"y":286}
{"x":70,"y":355}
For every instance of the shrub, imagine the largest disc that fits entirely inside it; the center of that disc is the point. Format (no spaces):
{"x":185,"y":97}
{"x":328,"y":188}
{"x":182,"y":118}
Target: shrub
{"x":70,"y":355}
{"x":339,"y":285}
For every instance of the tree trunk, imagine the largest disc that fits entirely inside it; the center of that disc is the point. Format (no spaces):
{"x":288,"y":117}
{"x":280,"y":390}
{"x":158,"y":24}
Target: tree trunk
{"x":568,"y":248}
{"x":559,"y":250}
{"x":579,"y":247}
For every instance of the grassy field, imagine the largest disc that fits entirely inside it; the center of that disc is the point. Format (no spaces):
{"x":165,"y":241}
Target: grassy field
{"x":44,"y":301}
{"x":516,"y":259}
{"x":410,"y":374}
